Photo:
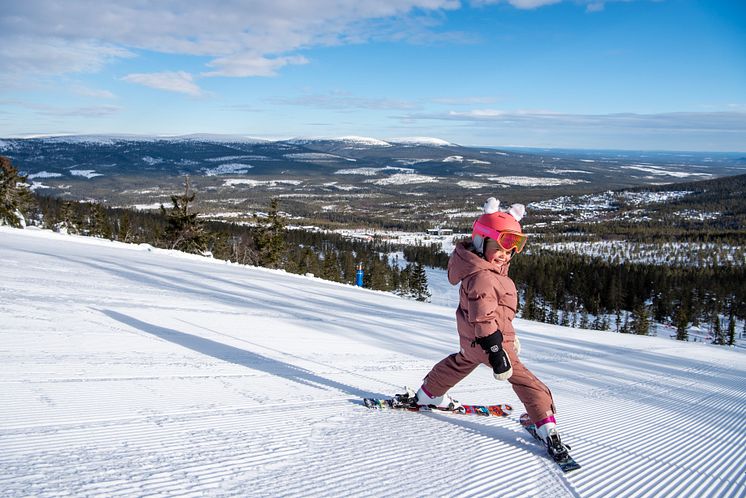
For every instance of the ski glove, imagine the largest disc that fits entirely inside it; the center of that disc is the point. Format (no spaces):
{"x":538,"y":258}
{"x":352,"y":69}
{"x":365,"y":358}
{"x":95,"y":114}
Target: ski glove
{"x":498,"y":358}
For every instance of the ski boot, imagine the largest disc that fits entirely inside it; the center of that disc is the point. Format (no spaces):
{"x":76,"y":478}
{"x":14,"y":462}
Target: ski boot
{"x":444,"y":402}
{"x":555,"y":447}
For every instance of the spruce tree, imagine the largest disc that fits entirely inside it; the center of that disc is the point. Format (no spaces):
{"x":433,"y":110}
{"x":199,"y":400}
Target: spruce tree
{"x":418,"y":283}
{"x":717,"y":330}
{"x":99,"y":222}
{"x":15,"y":195}
{"x":124,"y":229}
{"x":584,"y":322}
{"x":682,"y":323}
{"x":330,"y":267}
{"x":640,"y":320}
{"x":271,"y":238}
{"x":732,"y":331}
{"x":529,"y":308}
{"x":70,"y":220}
{"x":625,"y":325}
{"x":184,"y":230}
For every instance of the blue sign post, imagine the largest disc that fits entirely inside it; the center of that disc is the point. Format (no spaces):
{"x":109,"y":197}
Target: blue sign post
{"x":359,"y":275}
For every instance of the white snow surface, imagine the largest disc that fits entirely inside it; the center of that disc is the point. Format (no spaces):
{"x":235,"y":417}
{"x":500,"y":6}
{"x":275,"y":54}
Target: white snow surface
{"x":86,"y":173}
{"x":357,"y":140}
{"x":404,"y":179}
{"x":43,"y":174}
{"x":421,"y":141}
{"x":228,"y":169}
{"x":133,"y":371}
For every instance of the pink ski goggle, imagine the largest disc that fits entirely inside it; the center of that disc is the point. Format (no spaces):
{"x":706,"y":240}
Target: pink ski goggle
{"x":506,"y":240}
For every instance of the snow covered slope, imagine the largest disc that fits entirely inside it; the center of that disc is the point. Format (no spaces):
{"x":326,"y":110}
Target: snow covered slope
{"x":130,"y":371}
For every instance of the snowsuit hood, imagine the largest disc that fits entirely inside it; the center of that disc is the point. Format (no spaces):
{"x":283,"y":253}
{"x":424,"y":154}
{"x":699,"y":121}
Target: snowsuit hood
{"x":465,"y":261}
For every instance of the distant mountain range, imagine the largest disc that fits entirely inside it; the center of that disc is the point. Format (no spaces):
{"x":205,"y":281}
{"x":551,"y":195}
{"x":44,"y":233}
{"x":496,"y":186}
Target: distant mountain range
{"x":321,"y":172}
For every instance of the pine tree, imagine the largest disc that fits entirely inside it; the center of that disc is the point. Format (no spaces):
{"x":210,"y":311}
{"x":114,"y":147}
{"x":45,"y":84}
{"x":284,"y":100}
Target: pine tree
{"x":219,"y":245}
{"x":418,"y":283}
{"x":640,"y":320}
{"x":625,"y":325}
{"x":330,"y":267}
{"x":732,"y":331}
{"x":348,"y":267}
{"x":717,"y":330}
{"x":682,"y":323}
{"x":584,"y":319}
{"x":271,"y":238}
{"x":184,"y":230}
{"x":99,"y":222}
{"x":124,"y":231}
{"x":405,"y":280}
{"x":529,"y":308}
{"x":69,"y":221}
{"x":15,"y":196}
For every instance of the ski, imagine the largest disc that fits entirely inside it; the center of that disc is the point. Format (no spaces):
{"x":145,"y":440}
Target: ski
{"x":406,"y":402}
{"x":562,"y":458}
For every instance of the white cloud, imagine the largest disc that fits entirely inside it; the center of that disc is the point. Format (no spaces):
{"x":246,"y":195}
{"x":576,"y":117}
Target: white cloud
{"x":464,"y":100}
{"x":92,"y":92}
{"x":590,"y":5}
{"x":519,"y":4}
{"x":24,"y":56}
{"x":251,"y":65}
{"x":242,"y":37}
{"x":344,"y":100}
{"x":172,"y":81}
{"x":673,"y":131}
{"x":722,"y":121}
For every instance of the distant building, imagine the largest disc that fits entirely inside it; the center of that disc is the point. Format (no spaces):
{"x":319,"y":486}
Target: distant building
{"x":439,"y":231}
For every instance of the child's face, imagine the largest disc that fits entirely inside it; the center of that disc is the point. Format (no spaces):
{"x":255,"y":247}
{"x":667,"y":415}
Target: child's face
{"x":493,"y":253}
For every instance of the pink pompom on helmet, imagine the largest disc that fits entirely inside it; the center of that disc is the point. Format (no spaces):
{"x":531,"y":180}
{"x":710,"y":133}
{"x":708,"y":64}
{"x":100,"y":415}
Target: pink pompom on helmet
{"x":501,"y":226}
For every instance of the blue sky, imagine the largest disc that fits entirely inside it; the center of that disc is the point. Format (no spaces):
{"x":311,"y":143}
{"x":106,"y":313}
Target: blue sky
{"x":621,"y":74}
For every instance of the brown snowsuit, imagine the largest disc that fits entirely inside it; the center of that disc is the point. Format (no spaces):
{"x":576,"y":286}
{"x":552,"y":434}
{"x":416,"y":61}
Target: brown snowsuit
{"x":487,"y":302}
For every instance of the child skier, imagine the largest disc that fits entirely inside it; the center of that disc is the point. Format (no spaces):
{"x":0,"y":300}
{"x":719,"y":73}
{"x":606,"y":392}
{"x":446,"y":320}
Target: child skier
{"x":487,"y":305}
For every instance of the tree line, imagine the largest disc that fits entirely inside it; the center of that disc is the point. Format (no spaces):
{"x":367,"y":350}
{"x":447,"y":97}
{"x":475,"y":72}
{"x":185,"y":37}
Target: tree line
{"x":561,"y":285}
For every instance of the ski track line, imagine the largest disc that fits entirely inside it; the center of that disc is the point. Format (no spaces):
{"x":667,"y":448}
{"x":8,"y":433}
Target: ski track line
{"x":198,"y":456}
{"x":144,"y":429}
{"x":658,"y":426}
{"x":505,"y":456}
{"x":656,"y":468}
{"x":384,"y":460}
{"x":62,"y":380}
{"x":387,"y":457}
{"x":255,"y":406}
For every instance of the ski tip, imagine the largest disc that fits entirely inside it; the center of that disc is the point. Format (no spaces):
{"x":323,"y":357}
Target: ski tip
{"x":569,"y":466}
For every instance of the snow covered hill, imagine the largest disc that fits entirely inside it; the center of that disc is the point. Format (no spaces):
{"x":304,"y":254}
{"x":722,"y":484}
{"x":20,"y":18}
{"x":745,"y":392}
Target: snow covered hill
{"x":131,"y":371}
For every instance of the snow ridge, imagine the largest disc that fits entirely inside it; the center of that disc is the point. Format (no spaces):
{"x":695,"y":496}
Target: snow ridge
{"x":421,"y":141}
